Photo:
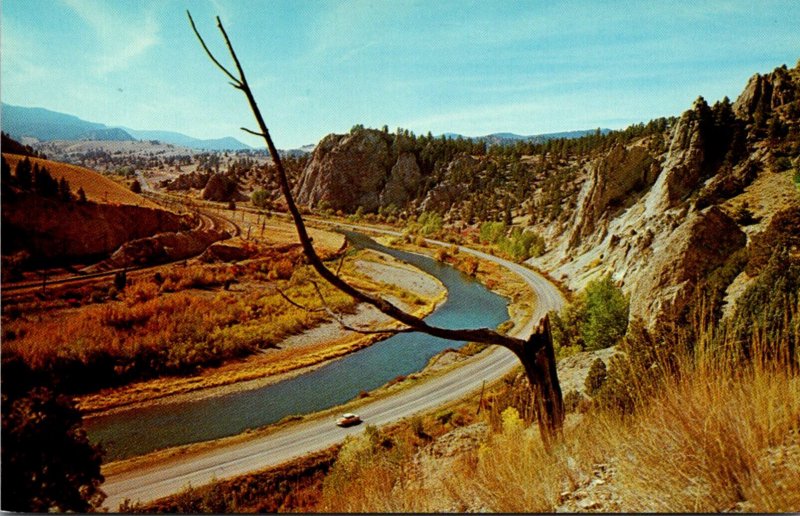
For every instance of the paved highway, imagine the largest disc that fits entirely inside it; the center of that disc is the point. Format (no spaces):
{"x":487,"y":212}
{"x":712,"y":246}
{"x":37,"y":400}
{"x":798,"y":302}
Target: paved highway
{"x":226,"y":461}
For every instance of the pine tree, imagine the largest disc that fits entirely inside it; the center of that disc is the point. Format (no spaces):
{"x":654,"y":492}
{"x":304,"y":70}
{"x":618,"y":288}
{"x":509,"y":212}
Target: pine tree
{"x":6,"y":177}
{"x":43,"y":182}
{"x":81,"y":195}
{"x":64,"y":192}
{"x":23,"y":173}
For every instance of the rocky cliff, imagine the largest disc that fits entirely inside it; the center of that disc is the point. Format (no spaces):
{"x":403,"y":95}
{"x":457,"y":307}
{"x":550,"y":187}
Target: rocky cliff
{"x":682,"y":211}
{"x":658,"y":206}
{"x":348,"y":171}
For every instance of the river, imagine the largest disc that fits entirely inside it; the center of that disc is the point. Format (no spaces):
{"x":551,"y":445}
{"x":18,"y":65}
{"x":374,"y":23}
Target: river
{"x":137,"y":431}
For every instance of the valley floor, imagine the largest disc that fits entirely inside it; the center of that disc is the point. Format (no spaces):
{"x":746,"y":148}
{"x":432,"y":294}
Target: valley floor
{"x":297,"y":354}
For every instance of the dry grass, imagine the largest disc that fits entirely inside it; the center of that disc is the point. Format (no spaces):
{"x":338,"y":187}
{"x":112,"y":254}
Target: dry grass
{"x":276,"y":230}
{"x":181,"y":331}
{"x":97,"y":187}
{"x":703,"y":445}
{"x":158,"y":328}
{"x":716,"y":439}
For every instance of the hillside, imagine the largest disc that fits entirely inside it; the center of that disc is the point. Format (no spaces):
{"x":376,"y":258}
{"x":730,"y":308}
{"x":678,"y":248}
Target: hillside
{"x":45,"y":225}
{"x":659,"y":206}
{"x":97,"y":187}
{"x":174,"y":138}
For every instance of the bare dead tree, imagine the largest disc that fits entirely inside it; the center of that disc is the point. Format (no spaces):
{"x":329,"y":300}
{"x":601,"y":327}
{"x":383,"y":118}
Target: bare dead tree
{"x":536,"y":354}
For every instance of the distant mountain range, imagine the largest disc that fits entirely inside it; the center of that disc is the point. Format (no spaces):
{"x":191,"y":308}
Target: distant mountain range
{"x":511,"y":138}
{"x":46,"y":125}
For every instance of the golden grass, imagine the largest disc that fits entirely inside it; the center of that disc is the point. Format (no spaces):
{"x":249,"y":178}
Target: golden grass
{"x":185,"y":320}
{"x":97,"y":187}
{"x":716,"y":439}
{"x":151,"y":330}
{"x":276,"y":230}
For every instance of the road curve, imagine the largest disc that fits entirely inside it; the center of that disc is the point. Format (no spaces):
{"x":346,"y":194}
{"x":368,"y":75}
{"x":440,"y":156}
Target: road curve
{"x":226,"y":461}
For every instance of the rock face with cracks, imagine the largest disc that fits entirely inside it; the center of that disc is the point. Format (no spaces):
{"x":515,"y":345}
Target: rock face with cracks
{"x":695,"y":248}
{"x":348,"y":171}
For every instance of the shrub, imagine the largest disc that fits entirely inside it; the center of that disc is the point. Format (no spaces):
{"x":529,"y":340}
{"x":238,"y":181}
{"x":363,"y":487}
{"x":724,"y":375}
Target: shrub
{"x":491,"y":232}
{"x":430,"y":223}
{"x":566,"y":324}
{"x":606,"y":314}
{"x":633,"y":375}
{"x":49,"y":465}
{"x":512,"y":423}
{"x":783,"y":163}
{"x":596,"y":377}
{"x":260,"y":198}
{"x":573,"y":401}
{"x":441,"y":254}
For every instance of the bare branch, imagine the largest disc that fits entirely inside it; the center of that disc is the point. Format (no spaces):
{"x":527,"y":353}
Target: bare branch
{"x":484,"y":335}
{"x":255,"y":133}
{"x":338,"y":319}
{"x":242,"y":78}
{"x":236,"y":82}
{"x":536,"y":353}
{"x":341,"y":261}
{"x":298,"y":305}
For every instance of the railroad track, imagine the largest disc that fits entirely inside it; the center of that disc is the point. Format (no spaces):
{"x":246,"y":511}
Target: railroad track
{"x":206,"y":221}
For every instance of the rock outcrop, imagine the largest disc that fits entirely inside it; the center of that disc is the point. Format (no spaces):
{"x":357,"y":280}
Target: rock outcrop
{"x":683,"y":166}
{"x":347,"y":171}
{"x":196,"y":180}
{"x":694,"y":249}
{"x":162,"y":248}
{"x":660,"y":241}
{"x":451,"y":189}
{"x":221,"y":188}
{"x":765,"y":93}
{"x":403,"y":182}
{"x":226,"y":252}
{"x":612,"y":185}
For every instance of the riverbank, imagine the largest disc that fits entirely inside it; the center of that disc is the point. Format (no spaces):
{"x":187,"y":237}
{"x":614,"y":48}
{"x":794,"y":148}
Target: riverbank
{"x":406,"y":286}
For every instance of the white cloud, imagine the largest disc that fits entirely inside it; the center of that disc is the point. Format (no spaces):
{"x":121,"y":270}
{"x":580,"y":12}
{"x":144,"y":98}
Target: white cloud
{"x":121,"y":39}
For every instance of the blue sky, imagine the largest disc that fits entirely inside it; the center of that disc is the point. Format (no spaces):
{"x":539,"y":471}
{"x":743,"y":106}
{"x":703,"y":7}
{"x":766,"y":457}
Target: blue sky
{"x":443,"y":66}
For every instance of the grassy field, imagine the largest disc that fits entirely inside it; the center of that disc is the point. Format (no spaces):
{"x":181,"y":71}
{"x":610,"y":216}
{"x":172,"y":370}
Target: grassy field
{"x":98,"y":188}
{"x":190,"y":327}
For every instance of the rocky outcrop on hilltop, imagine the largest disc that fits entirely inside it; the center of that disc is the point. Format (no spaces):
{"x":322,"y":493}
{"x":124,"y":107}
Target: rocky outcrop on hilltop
{"x":661,"y":231}
{"x":348,"y":171}
{"x":765,"y":93}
